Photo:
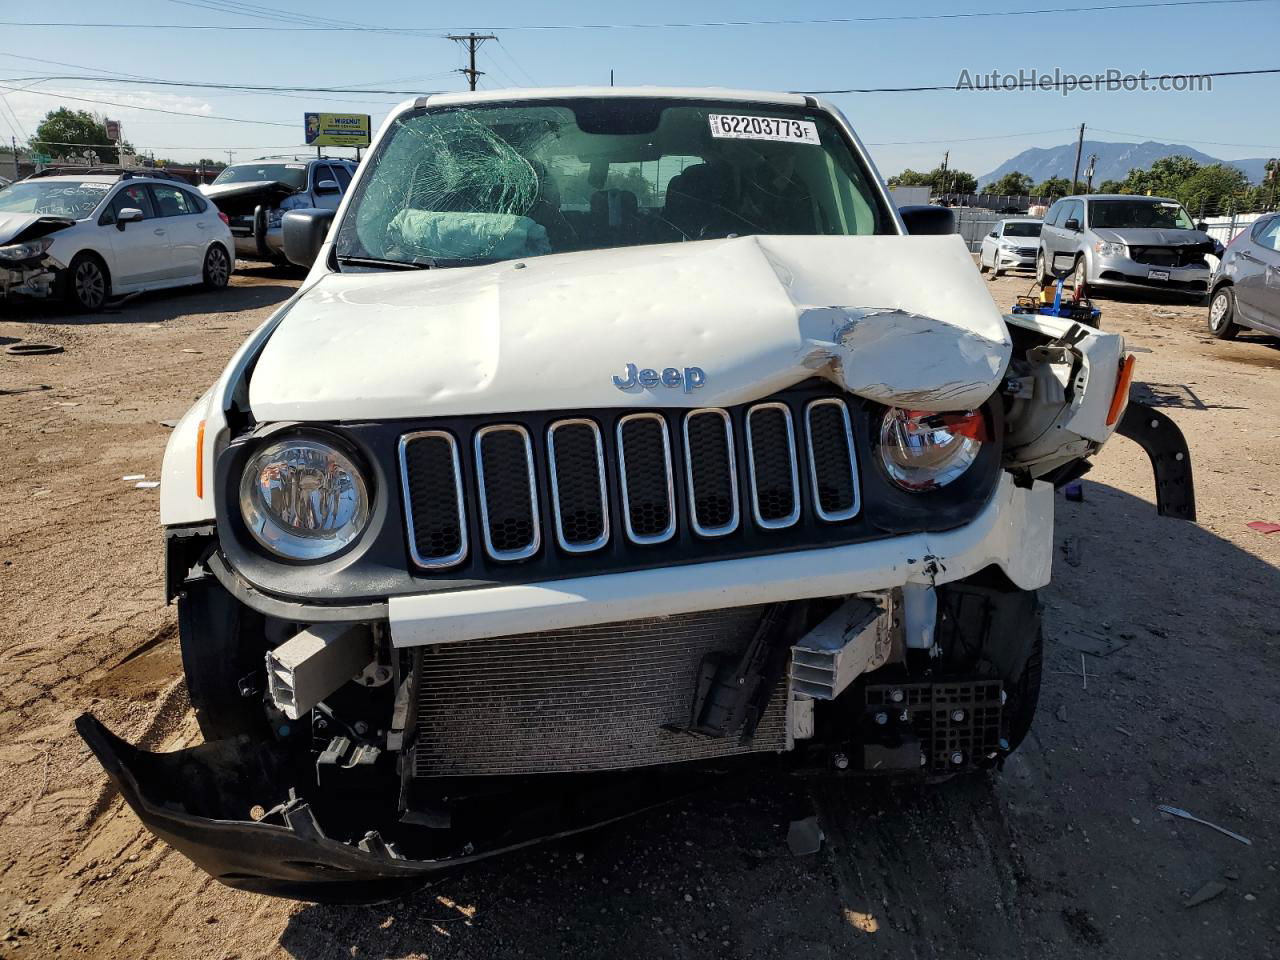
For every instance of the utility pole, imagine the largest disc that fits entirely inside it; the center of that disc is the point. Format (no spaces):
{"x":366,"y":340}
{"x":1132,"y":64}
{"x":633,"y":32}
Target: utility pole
{"x":1075,"y":174}
{"x":1088,"y":173}
{"x":13,"y":141}
{"x":230,"y":157}
{"x":946,"y":157}
{"x":472,"y":42}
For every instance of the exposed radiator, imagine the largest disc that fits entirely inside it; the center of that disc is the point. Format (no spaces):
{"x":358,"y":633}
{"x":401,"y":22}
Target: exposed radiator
{"x":588,"y":698}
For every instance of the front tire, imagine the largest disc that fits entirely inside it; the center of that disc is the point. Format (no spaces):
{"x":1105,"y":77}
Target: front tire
{"x":1041,"y":274}
{"x":86,"y":284}
{"x":1080,"y":274}
{"x":217,"y":268}
{"x":1222,"y":311}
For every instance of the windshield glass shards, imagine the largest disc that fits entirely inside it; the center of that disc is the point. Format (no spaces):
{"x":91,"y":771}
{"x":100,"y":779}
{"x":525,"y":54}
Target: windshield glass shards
{"x":507,"y":181}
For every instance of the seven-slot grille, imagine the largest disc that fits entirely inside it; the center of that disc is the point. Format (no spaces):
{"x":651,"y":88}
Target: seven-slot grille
{"x":781,"y":450}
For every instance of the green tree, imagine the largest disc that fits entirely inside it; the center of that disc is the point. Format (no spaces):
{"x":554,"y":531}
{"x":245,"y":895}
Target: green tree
{"x":1213,"y":189}
{"x":941,"y":181}
{"x":1012,"y":184}
{"x":1053,"y":187}
{"x":1111,"y":186}
{"x":67,"y":133}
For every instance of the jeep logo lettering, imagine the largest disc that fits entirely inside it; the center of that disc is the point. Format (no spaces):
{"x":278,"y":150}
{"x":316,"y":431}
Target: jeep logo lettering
{"x":691,"y":379}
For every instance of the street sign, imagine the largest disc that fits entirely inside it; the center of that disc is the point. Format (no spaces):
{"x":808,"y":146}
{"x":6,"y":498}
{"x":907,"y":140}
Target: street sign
{"x":41,"y":158}
{"x":113,"y":130}
{"x":337,"y":129}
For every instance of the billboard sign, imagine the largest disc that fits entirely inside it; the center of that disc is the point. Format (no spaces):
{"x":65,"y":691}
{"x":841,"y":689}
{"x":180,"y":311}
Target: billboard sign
{"x":113,"y":130}
{"x":337,"y":129}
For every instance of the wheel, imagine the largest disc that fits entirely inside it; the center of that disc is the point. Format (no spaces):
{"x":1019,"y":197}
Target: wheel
{"x":1041,"y":274}
{"x":86,"y":284}
{"x":997,"y":272}
{"x":217,"y":267}
{"x":1222,"y":308}
{"x":1080,"y":275}
{"x":982,"y":264}
{"x":1025,"y":694}
{"x":222,"y":644}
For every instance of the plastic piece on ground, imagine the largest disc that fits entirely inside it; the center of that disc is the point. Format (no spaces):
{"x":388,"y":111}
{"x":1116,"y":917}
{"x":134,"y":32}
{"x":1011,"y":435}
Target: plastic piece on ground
{"x":1263,"y":526}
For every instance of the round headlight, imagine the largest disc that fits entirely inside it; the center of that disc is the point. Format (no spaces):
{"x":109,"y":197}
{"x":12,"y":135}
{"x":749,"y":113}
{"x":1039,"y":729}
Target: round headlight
{"x":303,"y":499}
{"x":924,"y":451}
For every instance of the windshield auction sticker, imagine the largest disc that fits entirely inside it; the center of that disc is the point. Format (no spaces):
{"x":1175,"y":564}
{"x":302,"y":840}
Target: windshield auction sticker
{"x":733,"y":127}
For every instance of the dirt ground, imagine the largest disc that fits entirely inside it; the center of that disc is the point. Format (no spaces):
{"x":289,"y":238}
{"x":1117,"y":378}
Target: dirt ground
{"x":1062,"y":855}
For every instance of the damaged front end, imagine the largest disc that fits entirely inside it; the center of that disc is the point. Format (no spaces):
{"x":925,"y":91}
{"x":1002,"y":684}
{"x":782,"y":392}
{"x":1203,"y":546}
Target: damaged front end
{"x":26,"y":267}
{"x":254,"y":212}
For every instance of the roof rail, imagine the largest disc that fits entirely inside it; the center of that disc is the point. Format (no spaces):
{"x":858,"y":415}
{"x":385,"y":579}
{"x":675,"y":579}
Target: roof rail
{"x":300,"y":158}
{"x":123,"y":173}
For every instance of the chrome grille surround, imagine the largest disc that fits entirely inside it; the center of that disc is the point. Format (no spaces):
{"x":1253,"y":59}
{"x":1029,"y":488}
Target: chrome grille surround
{"x":602,"y":476}
{"x":535,"y":537}
{"x":732,"y":524}
{"x":832,"y":516}
{"x":782,"y":522}
{"x":669,"y":531}
{"x":457,"y":556}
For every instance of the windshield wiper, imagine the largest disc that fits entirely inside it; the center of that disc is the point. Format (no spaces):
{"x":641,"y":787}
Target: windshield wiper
{"x":392,"y":264}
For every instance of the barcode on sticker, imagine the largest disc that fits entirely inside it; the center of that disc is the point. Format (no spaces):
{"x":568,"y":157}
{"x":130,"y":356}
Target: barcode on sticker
{"x":735,"y":127}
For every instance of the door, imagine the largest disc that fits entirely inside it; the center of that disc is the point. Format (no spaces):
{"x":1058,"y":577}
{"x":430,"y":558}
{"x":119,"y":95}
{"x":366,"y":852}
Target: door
{"x":1257,"y":281}
{"x":177,"y":212}
{"x":1049,"y":231}
{"x":137,"y":253}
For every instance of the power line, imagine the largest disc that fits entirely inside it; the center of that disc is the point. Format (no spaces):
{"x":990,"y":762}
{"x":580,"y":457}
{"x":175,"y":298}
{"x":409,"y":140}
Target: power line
{"x":1000,"y":136}
{"x":1043,"y":83}
{"x":1211,"y":143}
{"x":472,"y":42}
{"x":201,"y":85}
{"x":130,"y":106}
{"x":693,"y":24}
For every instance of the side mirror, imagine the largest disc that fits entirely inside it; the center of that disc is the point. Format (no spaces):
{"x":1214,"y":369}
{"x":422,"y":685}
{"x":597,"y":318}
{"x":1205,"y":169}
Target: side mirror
{"x":1073,"y":225}
{"x":993,"y":233}
{"x":1201,"y":226}
{"x":304,"y":233}
{"x":921,"y":220}
{"x":327,"y":186}
{"x":128,"y":215}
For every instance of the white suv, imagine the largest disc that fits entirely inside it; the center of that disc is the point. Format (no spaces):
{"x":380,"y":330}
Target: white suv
{"x":88,"y":237}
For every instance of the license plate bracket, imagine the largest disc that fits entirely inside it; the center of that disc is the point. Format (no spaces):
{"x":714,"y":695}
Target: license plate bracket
{"x":1158,"y":275}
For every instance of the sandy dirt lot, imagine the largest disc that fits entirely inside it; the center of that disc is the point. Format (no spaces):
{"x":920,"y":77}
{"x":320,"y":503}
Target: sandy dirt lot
{"x":1061,"y":855}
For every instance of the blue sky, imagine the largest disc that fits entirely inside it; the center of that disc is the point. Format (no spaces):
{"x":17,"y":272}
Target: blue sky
{"x":1237,"y":119}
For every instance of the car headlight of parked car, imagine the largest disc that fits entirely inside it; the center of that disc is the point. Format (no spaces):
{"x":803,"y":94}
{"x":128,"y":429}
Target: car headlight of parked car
{"x":1107,"y":249}
{"x":923,"y":451}
{"x":26,"y":251}
{"x":303,"y":498}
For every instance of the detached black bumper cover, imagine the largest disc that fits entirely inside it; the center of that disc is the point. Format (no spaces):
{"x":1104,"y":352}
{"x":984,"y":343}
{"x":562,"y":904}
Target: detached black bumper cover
{"x":198,"y":800}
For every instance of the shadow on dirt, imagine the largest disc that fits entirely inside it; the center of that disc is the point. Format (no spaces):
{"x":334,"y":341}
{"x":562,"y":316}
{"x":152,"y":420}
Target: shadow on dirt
{"x":1062,"y":854}
{"x":248,"y":290}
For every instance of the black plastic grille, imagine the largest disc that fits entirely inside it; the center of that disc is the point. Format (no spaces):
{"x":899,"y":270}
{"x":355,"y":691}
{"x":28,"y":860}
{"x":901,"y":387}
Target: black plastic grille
{"x":578,"y":484}
{"x":609,"y":483}
{"x":831,"y":459}
{"x":506,"y":481}
{"x":431,"y":486}
{"x":646,"y":477}
{"x":713,"y":492}
{"x":773,"y":465}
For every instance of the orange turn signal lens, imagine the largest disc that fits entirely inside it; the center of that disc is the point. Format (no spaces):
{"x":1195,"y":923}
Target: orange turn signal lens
{"x":200,"y":460}
{"x":1120,"y":398}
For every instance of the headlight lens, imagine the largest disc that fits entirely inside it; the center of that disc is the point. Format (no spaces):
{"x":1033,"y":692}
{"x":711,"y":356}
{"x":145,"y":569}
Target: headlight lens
{"x":303,"y":499}
{"x":26,"y":251}
{"x":1108,"y":249}
{"x":923,"y":451}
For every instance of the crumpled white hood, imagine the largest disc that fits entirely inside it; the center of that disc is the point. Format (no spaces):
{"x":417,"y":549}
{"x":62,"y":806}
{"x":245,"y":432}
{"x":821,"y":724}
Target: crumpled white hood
{"x":901,"y":320}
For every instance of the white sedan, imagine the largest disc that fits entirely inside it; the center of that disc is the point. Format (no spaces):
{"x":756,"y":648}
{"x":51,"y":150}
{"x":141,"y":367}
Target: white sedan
{"x":87,"y":238}
{"x":1011,"y":245}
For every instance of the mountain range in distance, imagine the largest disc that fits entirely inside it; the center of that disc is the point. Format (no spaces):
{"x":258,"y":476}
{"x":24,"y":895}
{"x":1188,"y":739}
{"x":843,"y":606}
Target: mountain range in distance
{"x":1115,"y":160}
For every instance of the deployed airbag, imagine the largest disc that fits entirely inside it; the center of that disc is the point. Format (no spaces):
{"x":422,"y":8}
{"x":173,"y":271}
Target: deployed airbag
{"x":466,"y":236}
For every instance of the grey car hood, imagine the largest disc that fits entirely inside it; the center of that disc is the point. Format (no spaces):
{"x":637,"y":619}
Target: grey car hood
{"x":21,"y":227}
{"x":1152,"y":236}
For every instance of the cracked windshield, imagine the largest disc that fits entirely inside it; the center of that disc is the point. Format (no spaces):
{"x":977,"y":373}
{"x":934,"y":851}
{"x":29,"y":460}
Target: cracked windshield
{"x":493,"y":183}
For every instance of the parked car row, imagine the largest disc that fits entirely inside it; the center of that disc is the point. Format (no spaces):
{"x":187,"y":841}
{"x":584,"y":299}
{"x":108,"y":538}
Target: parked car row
{"x":89,"y":235}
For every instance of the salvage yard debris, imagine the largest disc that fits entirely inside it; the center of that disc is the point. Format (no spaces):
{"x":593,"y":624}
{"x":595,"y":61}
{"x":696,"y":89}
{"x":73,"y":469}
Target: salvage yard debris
{"x":1179,"y":812}
{"x":1263,"y":526}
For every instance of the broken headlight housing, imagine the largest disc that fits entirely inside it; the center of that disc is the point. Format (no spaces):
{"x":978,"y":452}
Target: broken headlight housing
{"x":26,"y":251}
{"x":303,"y":498}
{"x":921,"y":450}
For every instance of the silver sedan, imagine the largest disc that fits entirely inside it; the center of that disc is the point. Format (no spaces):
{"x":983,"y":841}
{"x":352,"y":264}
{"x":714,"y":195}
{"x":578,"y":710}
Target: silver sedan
{"x":1011,"y":245}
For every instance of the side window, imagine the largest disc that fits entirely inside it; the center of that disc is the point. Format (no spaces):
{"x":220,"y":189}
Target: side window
{"x":1269,"y":235}
{"x":344,"y":176}
{"x":1073,"y":211}
{"x":136,"y":197}
{"x":320,"y":172}
{"x":195,"y":204}
{"x":170,"y":201}
{"x":1051,"y":217}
